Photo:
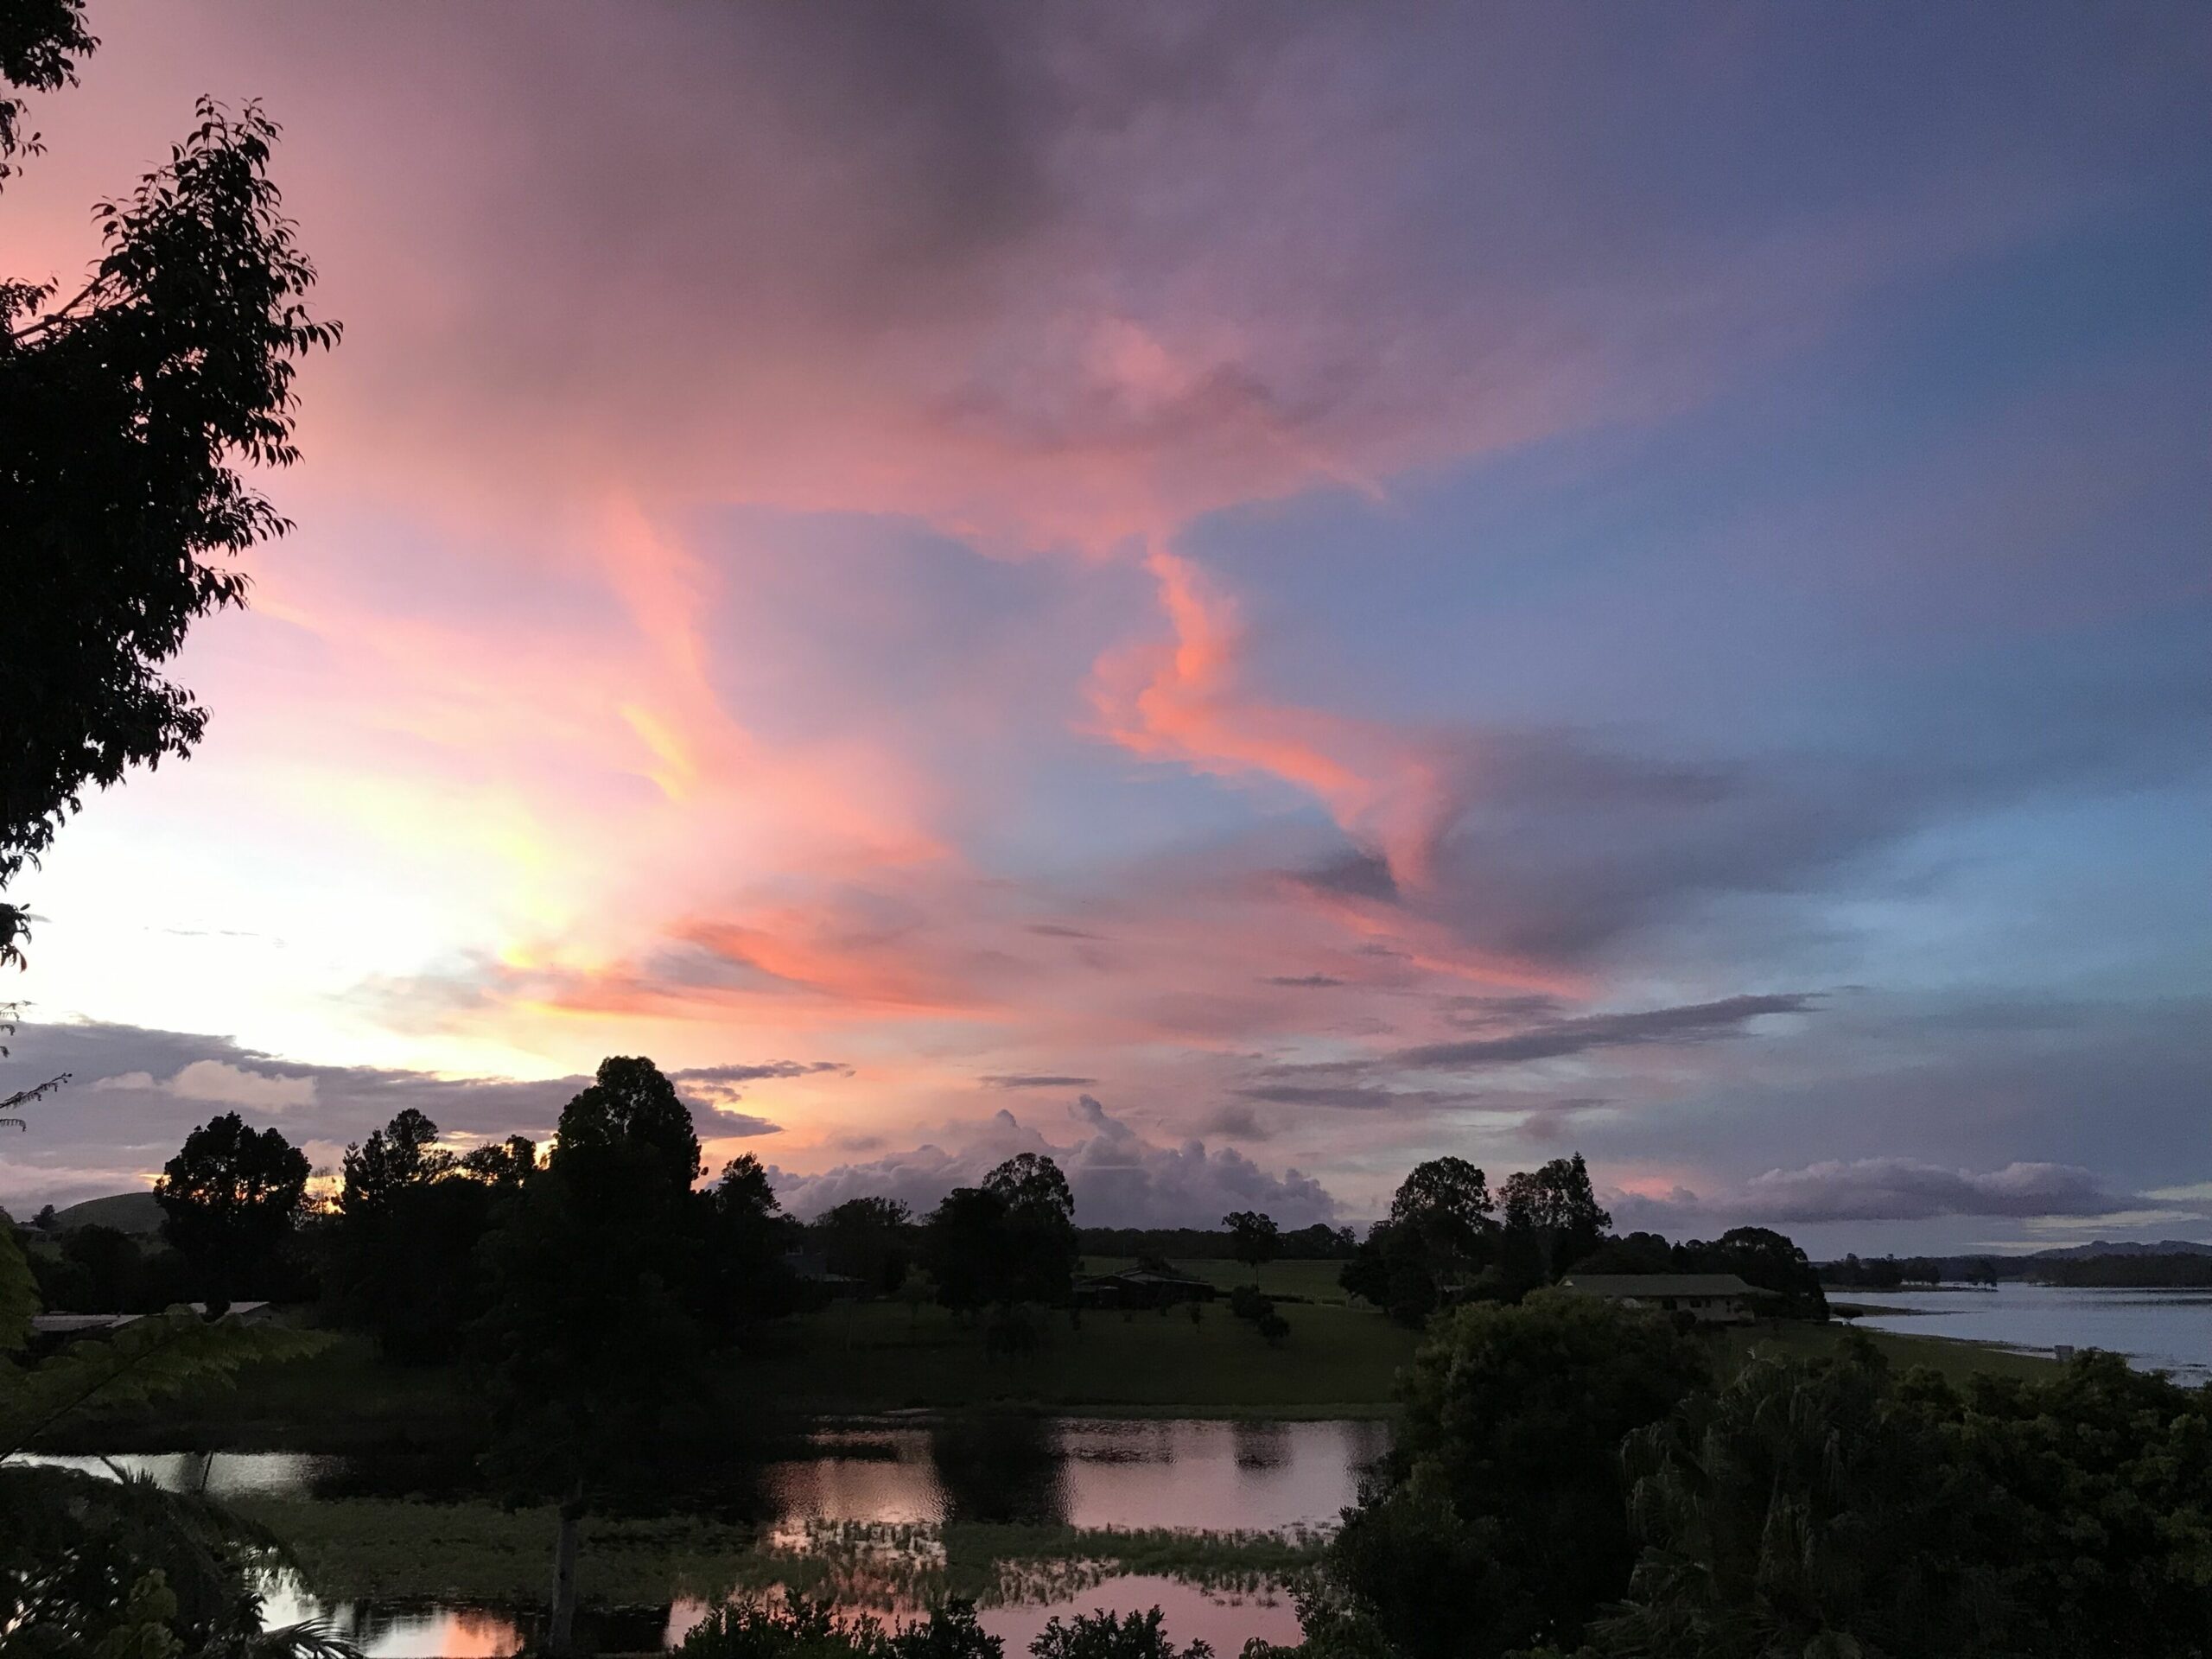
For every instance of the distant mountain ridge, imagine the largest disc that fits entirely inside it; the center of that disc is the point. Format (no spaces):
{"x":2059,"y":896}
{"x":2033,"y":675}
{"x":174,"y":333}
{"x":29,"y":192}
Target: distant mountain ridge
{"x":2164,"y":1247}
{"x":127,"y":1212}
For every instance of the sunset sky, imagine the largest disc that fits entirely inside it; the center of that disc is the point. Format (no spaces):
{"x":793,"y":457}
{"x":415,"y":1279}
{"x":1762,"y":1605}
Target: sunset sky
{"x":1247,"y":593}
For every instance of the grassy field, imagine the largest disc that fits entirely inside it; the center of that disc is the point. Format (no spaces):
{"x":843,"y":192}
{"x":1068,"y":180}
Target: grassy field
{"x":1338,"y":1361}
{"x":1316,"y":1282}
{"x":852,"y":1359}
{"x":1341,"y":1360}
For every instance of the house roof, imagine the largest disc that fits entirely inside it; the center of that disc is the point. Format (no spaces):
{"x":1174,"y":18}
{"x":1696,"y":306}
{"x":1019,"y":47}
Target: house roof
{"x":1644,"y":1287}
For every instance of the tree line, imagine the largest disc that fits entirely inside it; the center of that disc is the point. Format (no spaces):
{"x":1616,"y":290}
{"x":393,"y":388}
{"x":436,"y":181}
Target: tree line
{"x":1450,"y":1239}
{"x":1573,"y":1478}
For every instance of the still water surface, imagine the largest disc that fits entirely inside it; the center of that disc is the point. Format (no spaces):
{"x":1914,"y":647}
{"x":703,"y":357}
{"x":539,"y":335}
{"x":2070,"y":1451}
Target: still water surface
{"x":2166,"y":1331}
{"x":1187,"y":1476}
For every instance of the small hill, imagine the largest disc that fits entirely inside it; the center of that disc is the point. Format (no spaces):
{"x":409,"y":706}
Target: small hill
{"x":127,"y":1212}
{"x":2164,"y":1247}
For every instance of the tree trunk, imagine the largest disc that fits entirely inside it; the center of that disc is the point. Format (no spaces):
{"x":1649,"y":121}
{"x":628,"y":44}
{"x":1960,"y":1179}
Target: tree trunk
{"x":561,"y":1639}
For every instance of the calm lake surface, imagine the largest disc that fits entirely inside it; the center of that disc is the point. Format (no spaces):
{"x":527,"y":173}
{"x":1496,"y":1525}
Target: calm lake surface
{"x":1186,"y":1475}
{"x":2157,"y":1330}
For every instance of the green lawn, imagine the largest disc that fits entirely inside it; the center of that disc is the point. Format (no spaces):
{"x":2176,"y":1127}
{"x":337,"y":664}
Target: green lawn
{"x":1338,"y":1361}
{"x":1314,"y":1281}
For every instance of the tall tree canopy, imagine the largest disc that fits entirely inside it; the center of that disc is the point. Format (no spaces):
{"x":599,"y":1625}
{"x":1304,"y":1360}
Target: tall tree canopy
{"x":1502,"y":1518}
{"x":1010,"y":1240}
{"x":126,"y":411}
{"x":232,"y":1197}
{"x":1254,"y":1236}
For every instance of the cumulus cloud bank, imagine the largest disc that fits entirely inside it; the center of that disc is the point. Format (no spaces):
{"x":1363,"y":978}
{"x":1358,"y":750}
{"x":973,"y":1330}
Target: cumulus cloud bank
{"x":1120,"y":1177}
{"x":1883,"y":1188}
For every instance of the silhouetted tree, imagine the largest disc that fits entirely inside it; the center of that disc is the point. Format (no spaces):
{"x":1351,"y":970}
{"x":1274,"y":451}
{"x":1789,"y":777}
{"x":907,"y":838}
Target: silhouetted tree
{"x":125,"y":409}
{"x":962,"y":1245}
{"x":1040,"y":1252}
{"x":1553,"y":1219}
{"x":503,"y":1163}
{"x":871,"y":1239}
{"x":1010,"y":1240}
{"x":745,"y":1278}
{"x":404,"y":1153}
{"x":1448,"y":1203}
{"x":1438,"y":1235}
{"x":232,"y":1197}
{"x":1500,"y":1520}
{"x":1253,"y":1237}
{"x":592,"y":1333}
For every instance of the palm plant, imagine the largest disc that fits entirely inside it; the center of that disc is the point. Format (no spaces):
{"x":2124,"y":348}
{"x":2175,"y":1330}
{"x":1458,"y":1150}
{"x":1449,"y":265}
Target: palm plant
{"x":1804,"y":1511}
{"x":113,"y":1565}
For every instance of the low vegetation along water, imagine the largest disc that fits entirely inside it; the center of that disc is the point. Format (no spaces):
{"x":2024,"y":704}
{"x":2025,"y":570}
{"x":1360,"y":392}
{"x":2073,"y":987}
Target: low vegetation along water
{"x":1031,"y":1516}
{"x":2168,"y":1331}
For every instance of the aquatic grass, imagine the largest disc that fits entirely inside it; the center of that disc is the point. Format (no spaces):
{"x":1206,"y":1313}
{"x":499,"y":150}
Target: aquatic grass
{"x":381,"y":1548}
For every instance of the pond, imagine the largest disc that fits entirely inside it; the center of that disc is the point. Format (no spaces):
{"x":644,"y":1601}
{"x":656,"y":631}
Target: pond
{"x":906,"y":1479}
{"x":2166,"y":1331}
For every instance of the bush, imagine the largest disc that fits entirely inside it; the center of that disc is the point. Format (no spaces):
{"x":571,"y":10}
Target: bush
{"x":809,"y":1630}
{"x":1247,"y":1302}
{"x":1105,"y":1636}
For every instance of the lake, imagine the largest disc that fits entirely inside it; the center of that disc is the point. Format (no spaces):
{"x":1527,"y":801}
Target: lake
{"x":2157,"y":1330}
{"x":909,"y":1478}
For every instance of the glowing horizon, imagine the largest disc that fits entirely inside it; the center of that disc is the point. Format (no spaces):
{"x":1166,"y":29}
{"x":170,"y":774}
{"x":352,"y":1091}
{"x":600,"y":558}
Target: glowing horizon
{"x":1249,"y":596}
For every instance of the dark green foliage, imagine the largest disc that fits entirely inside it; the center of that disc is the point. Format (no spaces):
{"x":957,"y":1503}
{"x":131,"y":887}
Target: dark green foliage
{"x":1105,"y":1636}
{"x":1253,"y":1238}
{"x":91,"y":1567}
{"x":961,"y":1247}
{"x":404,"y":1153}
{"x":612,"y":1285}
{"x":1500,"y":1519}
{"x":2169,"y":1270}
{"x":95,"y":1569}
{"x":1319,"y":1242}
{"x":503,"y":1163}
{"x":1247,"y":1302}
{"x":403,"y":1257}
{"x":1010,"y":1240}
{"x":1553,"y":1219}
{"x":233,"y":1197}
{"x":1438,"y":1236}
{"x":1395,"y":1270}
{"x":591,"y":1327}
{"x":40,"y":43}
{"x":100,"y":1270}
{"x":124,"y":412}
{"x":1761,"y":1257}
{"x":745,"y":1237}
{"x":1829,"y":1506}
{"x":408,"y":1272}
{"x":1446,"y":1204}
{"x":809,"y":1629}
{"x":873,"y":1240}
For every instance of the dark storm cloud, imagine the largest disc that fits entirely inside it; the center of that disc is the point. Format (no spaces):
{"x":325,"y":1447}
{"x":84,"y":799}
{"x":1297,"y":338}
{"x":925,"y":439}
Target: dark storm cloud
{"x":1696,"y":1022}
{"x":1891,"y":1189}
{"x":1304,"y":981}
{"x":1355,"y":1096}
{"x":1033,"y":1080}
{"x":737,"y":1074}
